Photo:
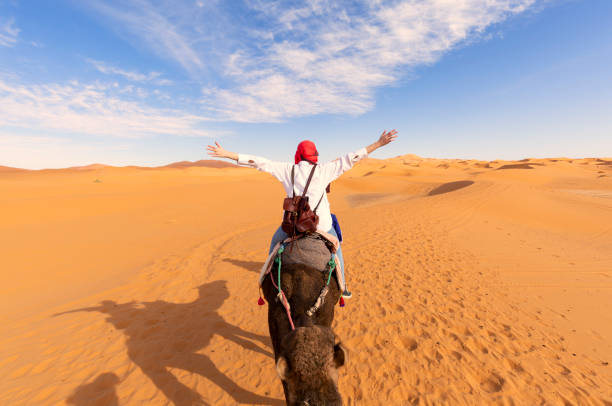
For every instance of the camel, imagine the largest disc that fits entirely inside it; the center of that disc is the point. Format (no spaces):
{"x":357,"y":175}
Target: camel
{"x":307,"y":358}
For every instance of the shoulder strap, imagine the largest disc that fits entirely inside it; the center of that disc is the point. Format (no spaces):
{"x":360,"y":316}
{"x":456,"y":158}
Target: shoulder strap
{"x":317,"y":206}
{"x":309,"y":179}
{"x":292,"y":187}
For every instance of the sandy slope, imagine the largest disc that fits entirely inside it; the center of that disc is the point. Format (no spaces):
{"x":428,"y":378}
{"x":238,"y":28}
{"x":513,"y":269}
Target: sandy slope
{"x":473,"y":284}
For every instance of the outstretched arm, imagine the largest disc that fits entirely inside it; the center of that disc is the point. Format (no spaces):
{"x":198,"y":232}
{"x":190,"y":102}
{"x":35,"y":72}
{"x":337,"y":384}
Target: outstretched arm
{"x":279,"y":170}
{"x":332,"y":170}
{"x":384,"y":139}
{"x":217,"y":151}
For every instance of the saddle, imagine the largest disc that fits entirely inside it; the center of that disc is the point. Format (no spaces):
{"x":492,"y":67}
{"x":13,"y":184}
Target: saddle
{"x":314,"y":250}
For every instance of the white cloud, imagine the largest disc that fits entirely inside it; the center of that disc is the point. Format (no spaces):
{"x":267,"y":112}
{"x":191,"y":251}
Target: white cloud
{"x":152,"y":26}
{"x":270,"y":60}
{"x":107,"y":69}
{"x":8,"y":33}
{"x":91,"y":109}
{"x":333,"y":59}
{"x":38,"y":152}
{"x":111,"y":70}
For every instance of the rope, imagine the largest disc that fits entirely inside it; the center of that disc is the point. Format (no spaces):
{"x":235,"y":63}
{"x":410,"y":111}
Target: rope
{"x":332,"y":266}
{"x":278,"y":257}
{"x":321,"y":299}
{"x":281,"y":295}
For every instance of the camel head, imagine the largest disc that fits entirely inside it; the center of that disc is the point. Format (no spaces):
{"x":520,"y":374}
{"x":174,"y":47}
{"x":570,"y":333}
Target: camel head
{"x":308,"y":365}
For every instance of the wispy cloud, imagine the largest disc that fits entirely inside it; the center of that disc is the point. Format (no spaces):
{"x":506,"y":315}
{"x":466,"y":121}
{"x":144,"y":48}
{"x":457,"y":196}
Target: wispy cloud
{"x":149,"y":23}
{"x":91,"y":109}
{"x":331,"y":58}
{"x":105,"y":68}
{"x":38,"y":152}
{"x":276,"y":59}
{"x":8,"y":32}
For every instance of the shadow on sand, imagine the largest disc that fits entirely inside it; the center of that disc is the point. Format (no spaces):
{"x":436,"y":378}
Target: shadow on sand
{"x":162,"y":335}
{"x":450,"y":187}
{"x":101,"y":391}
{"x":253,"y":266}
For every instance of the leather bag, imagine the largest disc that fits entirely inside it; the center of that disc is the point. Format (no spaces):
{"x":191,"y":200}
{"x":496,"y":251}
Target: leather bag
{"x":298,"y":218}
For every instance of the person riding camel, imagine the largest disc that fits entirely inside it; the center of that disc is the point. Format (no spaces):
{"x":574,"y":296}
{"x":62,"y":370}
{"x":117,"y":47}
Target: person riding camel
{"x":294,"y":178}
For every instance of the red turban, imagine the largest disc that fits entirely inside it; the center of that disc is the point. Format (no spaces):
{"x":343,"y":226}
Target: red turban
{"x":306,"y":151}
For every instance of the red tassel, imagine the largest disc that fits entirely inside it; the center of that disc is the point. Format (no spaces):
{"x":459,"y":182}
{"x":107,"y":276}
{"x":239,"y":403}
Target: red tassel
{"x":261,"y":302}
{"x":341,"y":302}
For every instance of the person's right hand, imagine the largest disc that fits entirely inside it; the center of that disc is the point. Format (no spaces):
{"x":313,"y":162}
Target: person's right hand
{"x":217,"y":151}
{"x":387,"y":137}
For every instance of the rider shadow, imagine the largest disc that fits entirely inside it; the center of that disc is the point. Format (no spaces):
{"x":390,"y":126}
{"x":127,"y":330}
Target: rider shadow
{"x":162,"y":335}
{"x":253,"y":266}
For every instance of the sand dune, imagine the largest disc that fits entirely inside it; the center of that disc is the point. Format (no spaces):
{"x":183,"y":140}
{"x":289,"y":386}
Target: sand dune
{"x":10,"y":169}
{"x":89,"y":167}
{"x":205,"y":163}
{"x":472,"y":285}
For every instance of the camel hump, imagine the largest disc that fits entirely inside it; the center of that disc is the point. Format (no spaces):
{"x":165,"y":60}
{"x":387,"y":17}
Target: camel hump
{"x":311,"y":250}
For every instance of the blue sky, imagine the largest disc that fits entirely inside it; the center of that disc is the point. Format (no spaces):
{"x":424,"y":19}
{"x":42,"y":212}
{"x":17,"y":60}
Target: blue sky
{"x":152,"y":82}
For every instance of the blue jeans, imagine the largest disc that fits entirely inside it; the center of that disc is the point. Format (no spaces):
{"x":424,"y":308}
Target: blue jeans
{"x":280,"y":235}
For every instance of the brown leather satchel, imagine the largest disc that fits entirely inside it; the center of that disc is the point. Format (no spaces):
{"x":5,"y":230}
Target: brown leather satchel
{"x":298,"y":217}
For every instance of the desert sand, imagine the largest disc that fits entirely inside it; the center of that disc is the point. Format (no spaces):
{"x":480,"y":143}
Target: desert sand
{"x":474,"y":283}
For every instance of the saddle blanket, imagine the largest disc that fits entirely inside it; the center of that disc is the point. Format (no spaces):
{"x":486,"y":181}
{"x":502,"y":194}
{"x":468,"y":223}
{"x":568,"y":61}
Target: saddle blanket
{"x":311,"y":250}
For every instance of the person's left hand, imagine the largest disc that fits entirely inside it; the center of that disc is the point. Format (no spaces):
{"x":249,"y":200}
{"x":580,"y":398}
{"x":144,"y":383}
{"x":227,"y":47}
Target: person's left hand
{"x":387,"y":137}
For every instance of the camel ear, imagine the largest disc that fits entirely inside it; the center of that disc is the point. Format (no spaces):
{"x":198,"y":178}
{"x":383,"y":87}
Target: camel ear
{"x":340,"y":355}
{"x":282,"y":368}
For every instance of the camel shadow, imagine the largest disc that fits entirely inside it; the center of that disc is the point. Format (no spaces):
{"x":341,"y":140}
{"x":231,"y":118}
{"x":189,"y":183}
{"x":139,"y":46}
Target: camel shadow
{"x":101,"y":391}
{"x":162,"y":335}
{"x":253,"y":266}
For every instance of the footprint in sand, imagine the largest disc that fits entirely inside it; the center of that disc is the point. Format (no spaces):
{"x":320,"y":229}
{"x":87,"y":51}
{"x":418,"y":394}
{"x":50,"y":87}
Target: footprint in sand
{"x":457,"y":355}
{"x":493,"y":383}
{"x":563,"y":370}
{"x":409,"y":343}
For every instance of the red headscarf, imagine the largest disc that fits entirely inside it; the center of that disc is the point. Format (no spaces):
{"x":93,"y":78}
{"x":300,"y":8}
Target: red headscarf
{"x":306,"y":151}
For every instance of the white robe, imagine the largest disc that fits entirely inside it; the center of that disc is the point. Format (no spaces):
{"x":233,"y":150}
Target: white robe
{"x":324,"y":174}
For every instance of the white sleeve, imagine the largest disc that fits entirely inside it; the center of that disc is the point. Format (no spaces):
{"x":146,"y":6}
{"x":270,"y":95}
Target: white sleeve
{"x":332,"y":170}
{"x":278,"y":169}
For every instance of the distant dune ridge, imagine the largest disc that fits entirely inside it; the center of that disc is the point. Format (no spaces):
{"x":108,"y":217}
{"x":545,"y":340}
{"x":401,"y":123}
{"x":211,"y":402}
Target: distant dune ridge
{"x":407,"y":159}
{"x":90,"y":167}
{"x":9,"y":169}
{"x":203,"y":163}
{"x":474,"y":282}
